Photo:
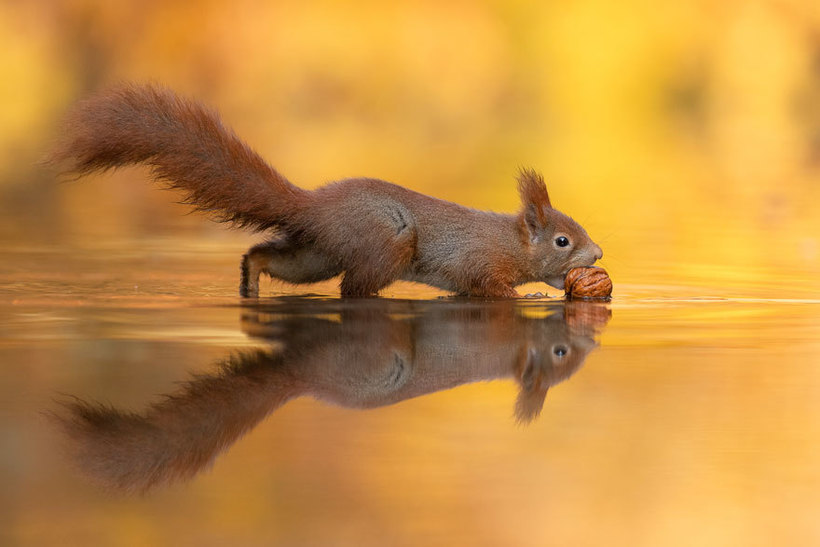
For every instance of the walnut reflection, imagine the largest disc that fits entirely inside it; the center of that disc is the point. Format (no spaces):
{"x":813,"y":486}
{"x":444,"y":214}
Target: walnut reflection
{"x":353,"y":353}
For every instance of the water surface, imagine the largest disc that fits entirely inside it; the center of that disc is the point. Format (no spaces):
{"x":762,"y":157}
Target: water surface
{"x":143,"y":403}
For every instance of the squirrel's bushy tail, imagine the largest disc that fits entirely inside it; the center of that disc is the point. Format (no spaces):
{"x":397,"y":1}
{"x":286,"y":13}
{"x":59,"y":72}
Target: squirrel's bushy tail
{"x":186,"y":145}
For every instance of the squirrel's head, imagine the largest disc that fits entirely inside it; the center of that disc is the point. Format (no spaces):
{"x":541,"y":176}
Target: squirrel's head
{"x":557,"y":243}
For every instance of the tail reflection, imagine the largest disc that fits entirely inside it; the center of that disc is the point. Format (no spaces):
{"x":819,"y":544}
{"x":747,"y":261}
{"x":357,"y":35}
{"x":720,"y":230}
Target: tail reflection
{"x":360,"y":354}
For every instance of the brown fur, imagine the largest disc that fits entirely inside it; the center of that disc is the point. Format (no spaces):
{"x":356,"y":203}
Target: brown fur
{"x":372,"y":231}
{"x":378,"y":353}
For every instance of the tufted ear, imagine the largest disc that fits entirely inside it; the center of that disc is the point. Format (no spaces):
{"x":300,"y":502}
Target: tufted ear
{"x":533,"y":390}
{"x":534,"y":199}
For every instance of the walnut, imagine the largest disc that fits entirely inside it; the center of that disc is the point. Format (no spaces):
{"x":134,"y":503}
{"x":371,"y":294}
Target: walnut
{"x":588,"y":282}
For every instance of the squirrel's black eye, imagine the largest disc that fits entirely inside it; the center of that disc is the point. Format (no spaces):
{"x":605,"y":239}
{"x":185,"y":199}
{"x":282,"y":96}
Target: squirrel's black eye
{"x":559,"y":351}
{"x":561,"y":241}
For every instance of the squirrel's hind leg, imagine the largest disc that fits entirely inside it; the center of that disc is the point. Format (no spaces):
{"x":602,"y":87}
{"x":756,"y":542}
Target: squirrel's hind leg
{"x":376,"y":269}
{"x":284,"y":259}
{"x":384,"y":248}
{"x":250,"y":269}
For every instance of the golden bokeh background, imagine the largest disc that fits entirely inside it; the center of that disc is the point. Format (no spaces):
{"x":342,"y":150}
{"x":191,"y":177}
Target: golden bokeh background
{"x":686,"y":138}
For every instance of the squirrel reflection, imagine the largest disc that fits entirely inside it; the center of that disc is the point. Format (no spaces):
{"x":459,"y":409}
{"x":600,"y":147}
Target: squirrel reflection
{"x":359,"y":354}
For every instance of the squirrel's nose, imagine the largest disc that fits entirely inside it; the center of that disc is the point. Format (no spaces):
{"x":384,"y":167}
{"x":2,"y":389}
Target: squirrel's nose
{"x":599,"y":253}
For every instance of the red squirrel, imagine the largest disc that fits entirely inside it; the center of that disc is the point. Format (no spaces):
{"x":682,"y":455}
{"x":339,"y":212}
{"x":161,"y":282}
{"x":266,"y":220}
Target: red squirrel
{"x":371,"y":231}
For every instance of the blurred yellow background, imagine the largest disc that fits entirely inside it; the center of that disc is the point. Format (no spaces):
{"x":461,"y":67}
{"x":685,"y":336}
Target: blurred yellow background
{"x":685,"y":138}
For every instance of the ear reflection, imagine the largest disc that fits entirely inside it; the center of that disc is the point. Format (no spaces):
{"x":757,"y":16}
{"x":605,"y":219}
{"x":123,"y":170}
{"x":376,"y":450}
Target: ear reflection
{"x":357,"y":353}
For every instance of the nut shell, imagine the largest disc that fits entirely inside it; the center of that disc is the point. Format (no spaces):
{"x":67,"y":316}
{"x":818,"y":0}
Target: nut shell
{"x":588,"y":282}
